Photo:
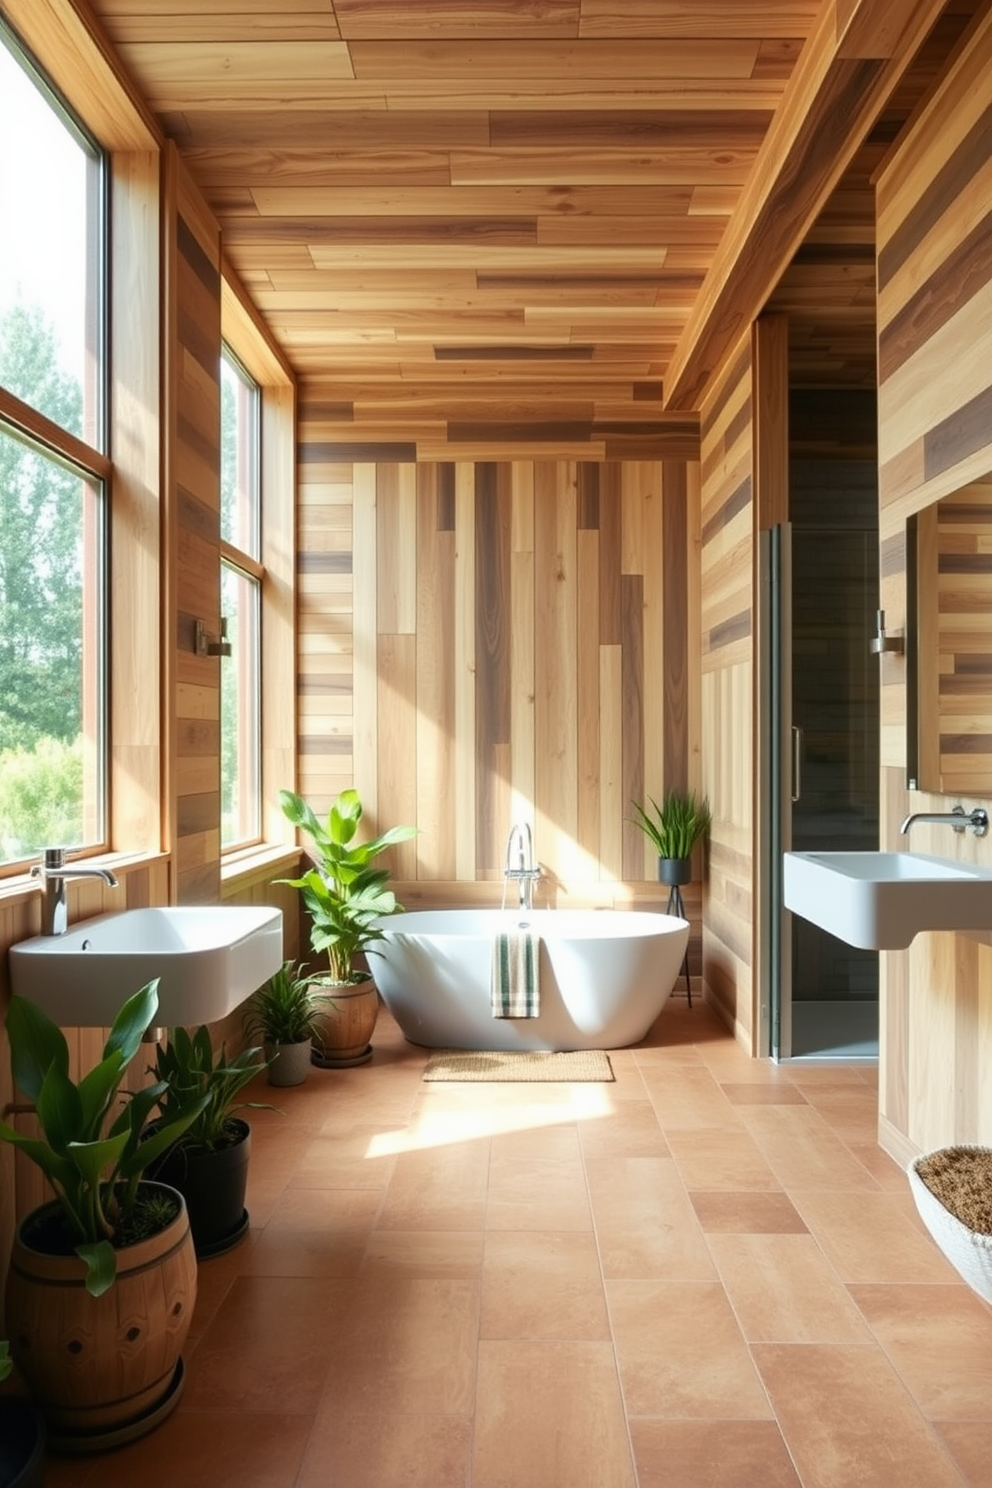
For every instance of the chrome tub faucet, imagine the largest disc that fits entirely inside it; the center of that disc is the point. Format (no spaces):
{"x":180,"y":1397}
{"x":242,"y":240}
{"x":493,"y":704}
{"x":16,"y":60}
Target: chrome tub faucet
{"x":977,"y":819}
{"x":526,"y":872}
{"x":53,"y":873}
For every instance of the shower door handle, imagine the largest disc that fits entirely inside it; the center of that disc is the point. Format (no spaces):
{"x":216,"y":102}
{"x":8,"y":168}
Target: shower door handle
{"x":797,"y":762}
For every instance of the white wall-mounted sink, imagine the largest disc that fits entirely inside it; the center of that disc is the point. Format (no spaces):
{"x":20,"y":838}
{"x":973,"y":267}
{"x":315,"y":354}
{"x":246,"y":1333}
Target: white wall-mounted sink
{"x":208,"y":958}
{"x":880,"y":900}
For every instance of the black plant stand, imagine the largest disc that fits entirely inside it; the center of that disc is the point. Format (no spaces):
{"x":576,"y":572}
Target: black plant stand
{"x":675,"y":872}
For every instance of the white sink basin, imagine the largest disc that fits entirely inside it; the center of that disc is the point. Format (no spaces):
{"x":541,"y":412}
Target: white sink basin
{"x":209,"y":959}
{"x":880,"y":900}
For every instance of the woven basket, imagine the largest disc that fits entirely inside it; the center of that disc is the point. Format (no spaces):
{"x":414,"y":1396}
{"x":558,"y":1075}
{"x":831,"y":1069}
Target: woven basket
{"x":969,"y":1253}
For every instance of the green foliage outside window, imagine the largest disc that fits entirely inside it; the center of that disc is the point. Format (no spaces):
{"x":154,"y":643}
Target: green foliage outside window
{"x":41,"y":605}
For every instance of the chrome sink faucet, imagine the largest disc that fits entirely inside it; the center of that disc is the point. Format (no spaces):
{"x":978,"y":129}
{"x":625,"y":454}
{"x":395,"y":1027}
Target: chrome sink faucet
{"x":526,"y":872}
{"x":977,"y":819}
{"x":53,"y":873}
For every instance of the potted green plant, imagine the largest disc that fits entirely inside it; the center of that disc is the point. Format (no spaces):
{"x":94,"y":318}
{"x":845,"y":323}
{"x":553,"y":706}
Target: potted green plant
{"x":674,"y":828}
{"x":283,"y":1014}
{"x":346,"y":897}
{"x":110,"y":1248}
{"x":208,"y":1164}
{"x":22,"y":1435}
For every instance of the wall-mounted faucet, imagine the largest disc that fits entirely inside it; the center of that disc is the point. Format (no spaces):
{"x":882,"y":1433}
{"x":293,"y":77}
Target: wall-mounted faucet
{"x":977,"y":819}
{"x":53,"y":873}
{"x":526,"y":872}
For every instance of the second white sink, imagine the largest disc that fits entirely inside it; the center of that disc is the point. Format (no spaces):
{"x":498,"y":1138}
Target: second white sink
{"x":208,"y":958}
{"x":880,"y":900}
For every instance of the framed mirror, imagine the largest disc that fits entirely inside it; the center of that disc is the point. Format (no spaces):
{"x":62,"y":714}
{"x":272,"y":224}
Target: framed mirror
{"x":949,"y":655}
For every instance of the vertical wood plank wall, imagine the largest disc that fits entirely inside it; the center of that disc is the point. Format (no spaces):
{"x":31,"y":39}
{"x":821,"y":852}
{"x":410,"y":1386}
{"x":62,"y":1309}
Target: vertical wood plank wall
{"x":193,"y":523}
{"x":727,"y":683}
{"x":935,"y":436}
{"x":490,"y":641}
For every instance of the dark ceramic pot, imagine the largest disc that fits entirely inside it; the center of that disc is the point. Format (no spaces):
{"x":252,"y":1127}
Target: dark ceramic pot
{"x":214,"y":1186}
{"x":673,"y":871}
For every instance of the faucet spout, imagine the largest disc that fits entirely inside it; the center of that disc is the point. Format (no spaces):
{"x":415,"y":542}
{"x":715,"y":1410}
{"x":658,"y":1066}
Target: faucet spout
{"x":957,"y":818}
{"x":53,"y":872}
{"x":526,"y":872}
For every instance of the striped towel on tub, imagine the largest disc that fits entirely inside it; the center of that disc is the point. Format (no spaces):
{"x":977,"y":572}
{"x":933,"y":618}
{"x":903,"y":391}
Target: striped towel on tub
{"x":516,"y":991}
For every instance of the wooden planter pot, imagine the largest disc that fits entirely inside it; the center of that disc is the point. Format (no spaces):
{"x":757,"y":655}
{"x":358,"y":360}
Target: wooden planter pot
{"x":345,"y":1023}
{"x":103,"y":1370}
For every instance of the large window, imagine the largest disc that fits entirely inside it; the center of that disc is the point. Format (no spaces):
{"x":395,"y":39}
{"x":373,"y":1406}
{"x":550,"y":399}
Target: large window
{"x":241,"y":592}
{"x":52,"y":471}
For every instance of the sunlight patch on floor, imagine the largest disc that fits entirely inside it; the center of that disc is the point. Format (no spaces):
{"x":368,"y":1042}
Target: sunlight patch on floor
{"x":439,"y":1128}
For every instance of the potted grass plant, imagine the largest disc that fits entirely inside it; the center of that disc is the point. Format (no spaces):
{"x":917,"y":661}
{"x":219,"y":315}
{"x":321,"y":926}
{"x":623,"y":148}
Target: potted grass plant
{"x":346,"y":896}
{"x":102,"y":1280}
{"x":674,"y":828}
{"x":208,"y":1163}
{"x":283,"y":1013}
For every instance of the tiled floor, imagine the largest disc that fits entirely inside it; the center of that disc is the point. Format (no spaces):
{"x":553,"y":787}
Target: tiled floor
{"x":706,"y":1275}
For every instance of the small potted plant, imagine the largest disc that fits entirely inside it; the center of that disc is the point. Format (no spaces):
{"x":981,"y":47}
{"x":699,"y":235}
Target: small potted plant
{"x":22,"y":1435}
{"x":283,"y":1014}
{"x":209,"y":1162}
{"x":674,"y":828}
{"x":346,"y":896}
{"x":111,"y":1247}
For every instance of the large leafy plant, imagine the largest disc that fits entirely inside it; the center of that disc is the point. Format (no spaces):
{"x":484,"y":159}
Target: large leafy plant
{"x":676,"y":825}
{"x":345,"y":894}
{"x":94,"y":1146}
{"x":196,"y":1079}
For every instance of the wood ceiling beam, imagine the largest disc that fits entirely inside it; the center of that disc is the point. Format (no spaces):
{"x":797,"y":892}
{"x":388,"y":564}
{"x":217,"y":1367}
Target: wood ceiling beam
{"x":853,"y":60}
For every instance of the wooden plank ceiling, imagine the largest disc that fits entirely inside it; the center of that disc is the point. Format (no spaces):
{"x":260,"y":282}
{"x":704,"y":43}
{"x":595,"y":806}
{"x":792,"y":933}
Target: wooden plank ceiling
{"x":469,"y":221}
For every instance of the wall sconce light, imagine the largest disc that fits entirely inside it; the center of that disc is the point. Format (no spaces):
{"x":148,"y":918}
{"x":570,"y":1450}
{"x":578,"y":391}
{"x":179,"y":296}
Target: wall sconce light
{"x":205,"y":644}
{"x":882,"y":641}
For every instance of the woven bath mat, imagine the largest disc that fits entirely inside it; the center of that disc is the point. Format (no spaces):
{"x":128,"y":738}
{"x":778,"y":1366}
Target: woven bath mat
{"x":469,"y":1065}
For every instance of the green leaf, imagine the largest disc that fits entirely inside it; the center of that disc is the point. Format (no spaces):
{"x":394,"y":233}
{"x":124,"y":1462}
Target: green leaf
{"x":91,"y":1159}
{"x":97,"y":1090}
{"x":101,"y":1266}
{"x":35,"y":1045}
{"x":59,"y":1109}
{"x":135,"y":1017}
{"x":55,"y":1167}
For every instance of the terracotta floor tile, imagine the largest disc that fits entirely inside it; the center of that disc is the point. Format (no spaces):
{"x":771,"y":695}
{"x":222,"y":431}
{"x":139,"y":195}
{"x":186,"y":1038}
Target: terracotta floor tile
{"x":549,"y":1415}
{"x":269,"y":1341}
{"x":644,"y":1221}
{"x":848,"y":1419}
{"x":440,"y":1188}
{"x":559,"y":1142}
{"x":354,"y":1156}
{"x":867,"y":1237}
{"x":537,"y":1194}
{"x":454,"y":1255}
{"x":887,"y":1173}
{"x":940,"y":1342}
{"x":542,"y":1285}
{"x":405,"y":1346}
{"x":386,"y":1451}
{"x":711,"y":1454}
{"x":762,"y":1093}
{"x":783,"y":1290}
{"x":851,"y":1111}
{"x":712,"y":1159}
{"x":631,"y":1131}
{"x":628,"y":1082}
{"x":203,"y":1449}
{"x":681,"y":1353}
{"x":747,"y":1213}
{"x":689,"y":1098}
{"x":802,"y":1151}
{"x":970,"y":1444}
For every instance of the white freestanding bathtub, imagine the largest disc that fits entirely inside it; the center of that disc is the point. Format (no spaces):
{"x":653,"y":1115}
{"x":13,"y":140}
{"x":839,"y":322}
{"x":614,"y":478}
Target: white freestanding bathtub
{"x":605,"y":975}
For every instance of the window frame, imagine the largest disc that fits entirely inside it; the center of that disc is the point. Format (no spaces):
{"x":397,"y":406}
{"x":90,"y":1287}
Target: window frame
{"x":88,"y":463}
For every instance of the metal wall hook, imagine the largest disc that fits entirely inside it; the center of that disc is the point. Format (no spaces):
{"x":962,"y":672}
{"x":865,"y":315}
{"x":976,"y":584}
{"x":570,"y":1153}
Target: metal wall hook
{"x":883,"y":641}
{"x":205,"y":644}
